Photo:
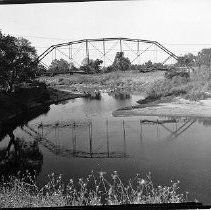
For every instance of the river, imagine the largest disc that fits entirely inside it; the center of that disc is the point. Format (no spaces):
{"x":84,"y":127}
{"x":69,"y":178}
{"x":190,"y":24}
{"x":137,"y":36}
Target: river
{"x":81,"y":135}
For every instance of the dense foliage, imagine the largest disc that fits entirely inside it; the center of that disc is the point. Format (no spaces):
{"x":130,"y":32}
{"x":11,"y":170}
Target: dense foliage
{"x":17,"y":61}
{"x":59,"y":66}
{"x":121,"y":63}
{"x":91,"y":66}
{"x":203,"y":58}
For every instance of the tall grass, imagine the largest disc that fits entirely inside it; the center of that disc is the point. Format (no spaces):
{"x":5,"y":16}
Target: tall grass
{"x":128,"y":81}
{"x":94,"y":190}
{"x":197,"y":87}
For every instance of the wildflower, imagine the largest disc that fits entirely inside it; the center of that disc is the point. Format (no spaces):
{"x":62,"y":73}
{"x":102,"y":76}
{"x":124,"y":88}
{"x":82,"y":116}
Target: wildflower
{"x":142,"y":182}
{"x":102,"y":173}
{"x":71,"y":181}
{"x":114,"y":176}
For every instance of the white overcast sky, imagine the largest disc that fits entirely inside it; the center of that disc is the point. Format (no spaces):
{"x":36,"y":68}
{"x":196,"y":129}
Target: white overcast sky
{"x":181,"y":25}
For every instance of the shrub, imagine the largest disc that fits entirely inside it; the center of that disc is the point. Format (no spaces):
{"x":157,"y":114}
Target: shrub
{"x":175,"y":73}
{"x":195,"y":95}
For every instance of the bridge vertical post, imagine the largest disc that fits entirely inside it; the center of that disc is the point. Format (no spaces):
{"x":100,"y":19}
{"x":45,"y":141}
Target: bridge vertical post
{"x":55,"y":53}
{"x":70,"y":52}
{"x":156,"y":53}
{"x":104,"y":51}
{"x":87,"y":51}
{"x":138,"y":52}
{"x":120,"y":44}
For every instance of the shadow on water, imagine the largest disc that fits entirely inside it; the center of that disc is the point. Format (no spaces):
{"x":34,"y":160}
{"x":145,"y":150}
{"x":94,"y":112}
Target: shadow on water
{"x":20,"y":155}
{"x":21,"y":120}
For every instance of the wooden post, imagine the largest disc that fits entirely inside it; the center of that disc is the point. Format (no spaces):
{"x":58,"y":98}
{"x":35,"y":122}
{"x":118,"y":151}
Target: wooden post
{"x":90,"y":139}
{"x":74,"y":139}
{"x":107,"y":137}
{"x":141,"y":134}
{"x":123,"y":125}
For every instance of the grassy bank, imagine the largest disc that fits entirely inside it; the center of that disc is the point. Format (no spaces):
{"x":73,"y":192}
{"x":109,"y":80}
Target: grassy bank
{"x":132,"y":82}
{"x":94,"y":190}
{"x":197,"y":87}
{"x":154,"y":85}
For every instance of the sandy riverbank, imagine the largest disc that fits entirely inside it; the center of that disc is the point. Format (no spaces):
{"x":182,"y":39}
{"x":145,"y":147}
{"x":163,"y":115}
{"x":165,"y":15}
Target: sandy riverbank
{"x":177,"y":107}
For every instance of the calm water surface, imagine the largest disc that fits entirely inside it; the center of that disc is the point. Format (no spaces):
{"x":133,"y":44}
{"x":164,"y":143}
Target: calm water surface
{"x":171,"y":149}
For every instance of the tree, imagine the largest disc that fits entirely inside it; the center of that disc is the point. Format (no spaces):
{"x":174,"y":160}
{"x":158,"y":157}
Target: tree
{"x":91,"y":66}
{"x":41,"y":69}
{"x":120,"y":62}
{"x":59,"y":66}
{"x":186,"y":60}
{"x":204,"y":58}
{"x":18,"y":61}
{"x":96,"y":65}
{"x":20,"y":156}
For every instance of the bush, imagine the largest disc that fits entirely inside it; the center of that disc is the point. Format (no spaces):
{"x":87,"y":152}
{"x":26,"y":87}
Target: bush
{"x":201,"y":74}
{"x":175,"y":73}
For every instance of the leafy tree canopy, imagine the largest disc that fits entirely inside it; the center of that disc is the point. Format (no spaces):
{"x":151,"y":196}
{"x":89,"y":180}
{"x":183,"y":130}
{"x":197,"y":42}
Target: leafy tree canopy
{"x":187,"y":59}
{"x":121,"y":63}
{"x":59,"y":66}
{"x":204,"y":57}
{"x":91,"y":66}
{"x":17,"y":61}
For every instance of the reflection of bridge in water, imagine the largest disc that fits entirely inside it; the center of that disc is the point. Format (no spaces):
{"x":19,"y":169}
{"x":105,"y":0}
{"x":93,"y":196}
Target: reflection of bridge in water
{"x":127,"y":127}
{"x":74,"y":152}
{"x":173,"y":133}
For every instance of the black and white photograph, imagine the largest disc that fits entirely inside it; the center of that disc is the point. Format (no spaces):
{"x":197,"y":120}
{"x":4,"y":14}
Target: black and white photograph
{"x":105,"y":104}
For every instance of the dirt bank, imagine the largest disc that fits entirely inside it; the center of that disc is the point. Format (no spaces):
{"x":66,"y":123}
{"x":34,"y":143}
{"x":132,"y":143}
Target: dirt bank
{"x":177,"y":107}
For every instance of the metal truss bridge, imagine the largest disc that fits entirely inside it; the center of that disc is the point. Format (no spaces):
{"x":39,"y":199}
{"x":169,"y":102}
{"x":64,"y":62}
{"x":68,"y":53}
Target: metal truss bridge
{"x":138,"y":51}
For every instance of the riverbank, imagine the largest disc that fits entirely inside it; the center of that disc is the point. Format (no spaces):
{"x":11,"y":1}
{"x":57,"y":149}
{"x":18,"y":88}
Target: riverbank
{"x":18,"y":105}
{"x":169,"y":107}
{"x":130,"y":82}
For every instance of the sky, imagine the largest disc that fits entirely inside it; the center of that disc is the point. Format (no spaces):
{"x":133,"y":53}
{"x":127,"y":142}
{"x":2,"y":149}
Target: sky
{"x":180,"y":25}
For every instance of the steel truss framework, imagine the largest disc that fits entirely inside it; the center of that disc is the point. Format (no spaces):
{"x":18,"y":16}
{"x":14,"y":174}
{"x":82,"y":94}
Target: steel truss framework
{"x":123,"y":44}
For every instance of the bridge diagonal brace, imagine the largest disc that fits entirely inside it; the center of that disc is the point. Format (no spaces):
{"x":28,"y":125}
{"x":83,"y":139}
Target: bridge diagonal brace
{"x":142,"y":53}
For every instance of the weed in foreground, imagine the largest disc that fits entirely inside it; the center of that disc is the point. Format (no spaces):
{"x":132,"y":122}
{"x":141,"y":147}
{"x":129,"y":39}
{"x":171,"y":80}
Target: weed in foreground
{"x":94,"y":190}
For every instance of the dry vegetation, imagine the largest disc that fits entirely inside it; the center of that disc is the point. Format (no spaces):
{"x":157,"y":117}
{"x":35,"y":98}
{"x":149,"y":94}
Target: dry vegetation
{"x":94,"y":190}
{"x":197,"y":87}
{"x":132,"y":82}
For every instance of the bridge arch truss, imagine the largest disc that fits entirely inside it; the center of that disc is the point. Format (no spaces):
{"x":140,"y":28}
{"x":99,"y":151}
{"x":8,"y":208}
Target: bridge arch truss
{"x":138,"y":51}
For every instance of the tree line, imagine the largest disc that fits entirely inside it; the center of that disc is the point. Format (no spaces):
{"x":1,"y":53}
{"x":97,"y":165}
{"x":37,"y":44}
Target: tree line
{"x":19,"y":63}
{"x":122,"y":63}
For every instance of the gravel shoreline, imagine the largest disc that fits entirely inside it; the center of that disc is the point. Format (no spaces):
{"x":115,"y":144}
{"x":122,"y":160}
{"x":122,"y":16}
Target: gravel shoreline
{"x":178,"y":107}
